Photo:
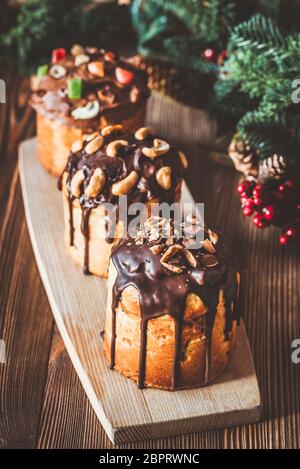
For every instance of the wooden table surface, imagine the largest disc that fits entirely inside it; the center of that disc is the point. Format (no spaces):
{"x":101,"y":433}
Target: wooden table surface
{"x":42,"y":403}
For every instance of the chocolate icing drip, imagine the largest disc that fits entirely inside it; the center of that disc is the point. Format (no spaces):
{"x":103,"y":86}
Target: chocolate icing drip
{"x":115,"y":169}
{"x":85,"y":231}
{"x":70,"y":204}
{"x":71,"y":223}
{"x":143,"y":348}
{"x":162,"y":292}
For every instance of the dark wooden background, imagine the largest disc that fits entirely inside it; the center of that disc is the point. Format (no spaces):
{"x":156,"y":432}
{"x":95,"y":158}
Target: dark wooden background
{"x":42,"y":403}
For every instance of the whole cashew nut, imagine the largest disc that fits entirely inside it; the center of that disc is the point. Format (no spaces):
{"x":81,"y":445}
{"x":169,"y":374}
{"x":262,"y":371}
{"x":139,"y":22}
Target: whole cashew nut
{"x":113,"y":148}
{"x":160,"y":147}
{"x":125,"y":185}
{"x":96,"y":183}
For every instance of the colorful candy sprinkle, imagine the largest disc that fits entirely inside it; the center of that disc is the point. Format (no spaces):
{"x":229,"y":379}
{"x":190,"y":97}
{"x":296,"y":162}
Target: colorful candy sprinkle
{"x":58,"y":55}
{"x":81,"y":59}
{"x":124,"y":76}
{"x":77,"y":49}
{"x":42,"y":71}
{"x":74,"y":88}
{"x":96,"y":68}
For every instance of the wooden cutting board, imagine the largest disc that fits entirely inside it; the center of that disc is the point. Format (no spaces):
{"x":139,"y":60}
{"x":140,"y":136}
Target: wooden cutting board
{"x":78,"y":304}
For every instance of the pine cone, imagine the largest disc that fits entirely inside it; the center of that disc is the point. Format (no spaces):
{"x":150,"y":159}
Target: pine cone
{"x":182,"y":84}
{"x":243,"y":157}
{"x":273,"y":167}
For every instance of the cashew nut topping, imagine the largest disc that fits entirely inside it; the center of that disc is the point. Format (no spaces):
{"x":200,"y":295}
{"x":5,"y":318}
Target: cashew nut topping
{"x":213,"y":237}
{"x":170,"y":252}
{"x":89,"y":137}
{"x":208,"y":246}
{"x":160,"y":147}
{"x":113,"y":147}
{"x":183,"y":159}
{"x":96,"y":183}
{"x":81,"y":59}
{"x":163,"y":177}
{"x":109,"y":129}
{"x":89,"y":111}
{"x":76,"y":146}
{"x":77,"y":49}
{"x":125,"y":185}
{"x":94,"y":145}
{"x":76,"y":183}
{"x":142,"y":133}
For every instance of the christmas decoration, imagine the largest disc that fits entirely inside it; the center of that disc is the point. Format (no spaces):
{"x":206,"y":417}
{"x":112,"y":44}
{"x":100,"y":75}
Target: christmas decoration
{"x":243,"y":157}
{"x":190,"y":38}
{"x":255,"y":87}
{"x":38,"y":26}
{"x":184,"y":33}
{"x":257,"y":77}
{"x":180,"y":42}
{"x":178,"y":82}
{"x":274,"y":166}
{"x":275,"y":202}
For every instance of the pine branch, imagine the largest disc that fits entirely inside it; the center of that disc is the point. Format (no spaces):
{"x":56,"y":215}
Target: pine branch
{"x":259,"y":33}
{"x":176,"y":31}
{"x":268,"y":135}
{"x":44,"y":24}
{"x":206,"y":19}
{"x":229,"y":100}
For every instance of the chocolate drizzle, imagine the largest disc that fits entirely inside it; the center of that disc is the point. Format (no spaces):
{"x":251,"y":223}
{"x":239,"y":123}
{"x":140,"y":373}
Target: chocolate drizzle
{"x":85,"y":231}
{"x":71,"y":223}
{"x":130,"y":157}
{"x":162,"y":292}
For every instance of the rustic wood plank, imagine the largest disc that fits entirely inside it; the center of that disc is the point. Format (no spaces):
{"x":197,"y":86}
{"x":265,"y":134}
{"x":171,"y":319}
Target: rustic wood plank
{"x":126,"y":413}
{"x":26,"y":322}
{"x":25,"y":326}
{"x":67,"y":420}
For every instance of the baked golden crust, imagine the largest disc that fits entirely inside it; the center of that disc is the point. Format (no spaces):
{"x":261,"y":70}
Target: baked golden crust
{"x":54,"y":140}
{"x":173,"y":305}
{"x":161,"y":341}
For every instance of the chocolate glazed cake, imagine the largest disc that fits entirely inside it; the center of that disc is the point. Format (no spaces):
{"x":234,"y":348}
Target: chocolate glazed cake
{"x":172,"y":311}
{"x":82,"y":92}
{"x":105,"y":166}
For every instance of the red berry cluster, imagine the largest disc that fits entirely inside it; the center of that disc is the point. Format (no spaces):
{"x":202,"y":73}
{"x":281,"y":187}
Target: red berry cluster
{"x":275,"y":203}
